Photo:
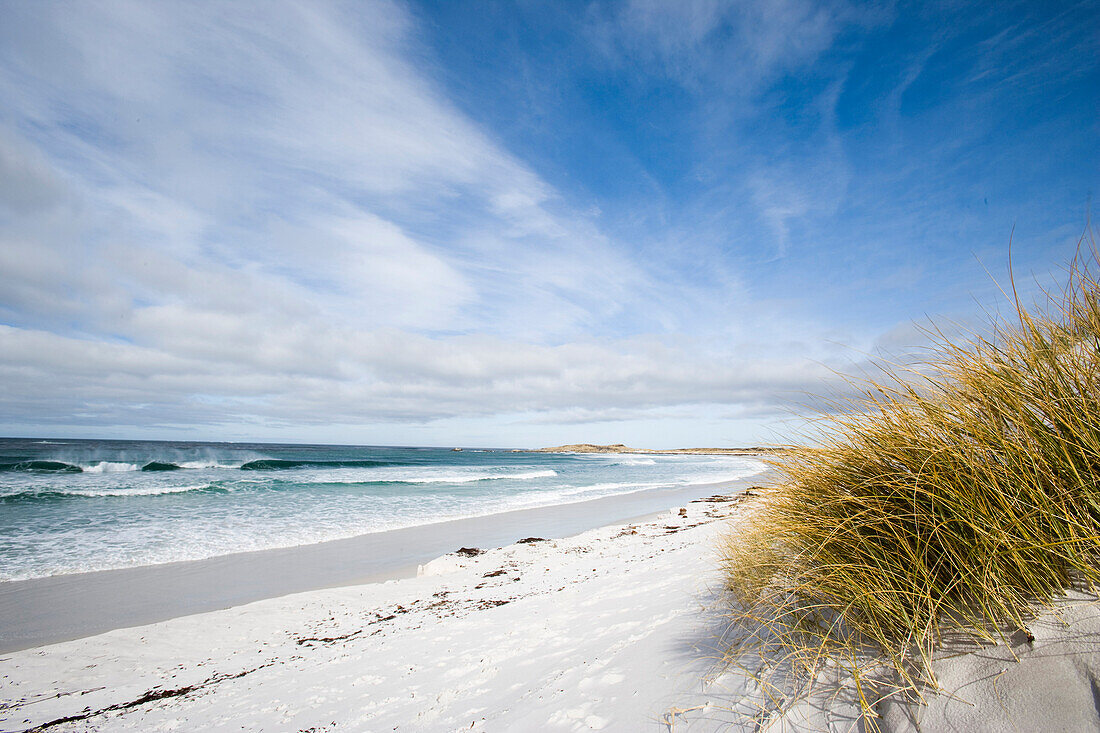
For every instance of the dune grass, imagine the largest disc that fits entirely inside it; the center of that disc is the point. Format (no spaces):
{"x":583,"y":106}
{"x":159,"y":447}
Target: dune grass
{"x":958,"y":497}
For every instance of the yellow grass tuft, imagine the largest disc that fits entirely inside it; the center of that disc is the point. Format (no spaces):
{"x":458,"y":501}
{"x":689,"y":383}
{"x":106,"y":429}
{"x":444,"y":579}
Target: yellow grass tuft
{"x":960,"y":498}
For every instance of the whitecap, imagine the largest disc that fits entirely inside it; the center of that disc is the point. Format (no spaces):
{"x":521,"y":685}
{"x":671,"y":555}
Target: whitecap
{"x":110,"y":467}
{"x":462,"y":478}
{"x":136,"y":491}
{"x":207,"y":464}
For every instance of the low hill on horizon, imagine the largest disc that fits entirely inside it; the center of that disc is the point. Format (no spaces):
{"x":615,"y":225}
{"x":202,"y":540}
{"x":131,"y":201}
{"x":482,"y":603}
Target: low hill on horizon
{"x":620,"y":448}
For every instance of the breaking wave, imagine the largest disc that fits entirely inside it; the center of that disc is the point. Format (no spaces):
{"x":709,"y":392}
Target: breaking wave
{"x":271,"y":464}
{"x":464,"y":478}
{"x":55,"y":493}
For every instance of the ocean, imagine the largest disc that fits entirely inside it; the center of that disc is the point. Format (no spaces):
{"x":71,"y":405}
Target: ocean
{"x":70,"y":506}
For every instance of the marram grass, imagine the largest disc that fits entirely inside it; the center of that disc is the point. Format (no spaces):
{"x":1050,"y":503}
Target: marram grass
{"x":960,"y":498}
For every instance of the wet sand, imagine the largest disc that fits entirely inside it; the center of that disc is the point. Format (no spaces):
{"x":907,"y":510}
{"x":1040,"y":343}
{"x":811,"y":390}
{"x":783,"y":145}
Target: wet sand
{"x":60,"y":608}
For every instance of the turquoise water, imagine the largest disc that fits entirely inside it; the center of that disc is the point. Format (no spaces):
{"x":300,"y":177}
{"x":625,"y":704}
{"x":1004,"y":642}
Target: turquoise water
{"x":71,"y":506}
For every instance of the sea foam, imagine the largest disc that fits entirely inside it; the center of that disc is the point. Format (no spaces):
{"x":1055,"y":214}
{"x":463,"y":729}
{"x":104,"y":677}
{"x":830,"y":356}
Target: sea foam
{"x":89,"y":505}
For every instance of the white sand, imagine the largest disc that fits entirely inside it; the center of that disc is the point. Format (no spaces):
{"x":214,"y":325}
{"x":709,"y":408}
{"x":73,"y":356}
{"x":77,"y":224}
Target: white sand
{"x":607,"y":630}
{"x":597,"y":631}
{"x":50,"y":610}
{"x":1049,"y":684}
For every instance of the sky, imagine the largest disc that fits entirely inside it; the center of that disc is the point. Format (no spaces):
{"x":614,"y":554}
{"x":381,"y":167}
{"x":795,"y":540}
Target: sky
{"x":519,"y":223}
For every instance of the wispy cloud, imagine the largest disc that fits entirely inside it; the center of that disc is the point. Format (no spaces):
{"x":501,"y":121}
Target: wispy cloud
{"x":278,"y":216}
{"x":288,"y":216}
{"x":738,"y":46}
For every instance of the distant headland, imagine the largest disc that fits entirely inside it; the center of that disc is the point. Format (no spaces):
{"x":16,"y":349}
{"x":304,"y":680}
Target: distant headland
{"x":620,"y":448}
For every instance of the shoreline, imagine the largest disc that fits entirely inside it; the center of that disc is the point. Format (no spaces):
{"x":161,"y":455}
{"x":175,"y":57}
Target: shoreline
{"x":620,"y":449}
{"x":616,"y":628}
{"x":601,"y":629}
{"x":42,"y":611}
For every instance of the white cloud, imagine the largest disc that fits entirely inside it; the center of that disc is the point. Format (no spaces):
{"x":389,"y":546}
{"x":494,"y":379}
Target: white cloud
{"x":271,"y":140}
{"x":27,"y":181}
{"x":347,"y":378}
{"x":277,"y":217}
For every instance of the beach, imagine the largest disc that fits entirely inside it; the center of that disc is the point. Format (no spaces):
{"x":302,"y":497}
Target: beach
{"x":62,"y":607}
{"x":72,"y":507}
{"x":633,"y":366}
{"x":547,"y":619}
{"x":617,"y":628}
{"x":605,"y":629}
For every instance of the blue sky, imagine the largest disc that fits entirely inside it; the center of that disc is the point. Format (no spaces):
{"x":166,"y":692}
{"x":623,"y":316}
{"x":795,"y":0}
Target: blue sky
{"x":515,"y":223}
